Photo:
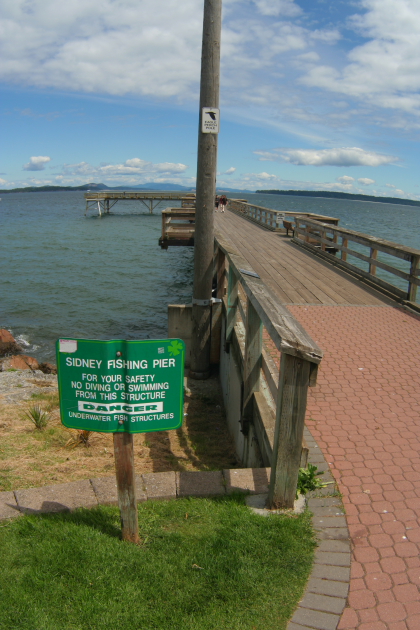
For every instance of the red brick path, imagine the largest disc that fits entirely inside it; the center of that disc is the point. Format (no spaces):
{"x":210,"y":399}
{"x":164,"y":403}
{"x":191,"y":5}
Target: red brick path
{"x":365,"y":415}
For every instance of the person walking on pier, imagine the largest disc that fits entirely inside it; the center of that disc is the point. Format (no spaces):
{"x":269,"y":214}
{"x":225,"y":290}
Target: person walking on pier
{"x":216,"y":203}
{"x":222,"y":203}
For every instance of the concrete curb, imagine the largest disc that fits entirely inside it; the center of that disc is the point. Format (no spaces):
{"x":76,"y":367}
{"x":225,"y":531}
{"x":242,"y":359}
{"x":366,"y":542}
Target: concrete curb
{"x":326,"y":592}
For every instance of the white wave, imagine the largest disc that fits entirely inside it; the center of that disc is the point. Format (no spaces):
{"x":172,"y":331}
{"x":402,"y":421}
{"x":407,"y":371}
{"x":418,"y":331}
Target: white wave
{"x":23,"y":341}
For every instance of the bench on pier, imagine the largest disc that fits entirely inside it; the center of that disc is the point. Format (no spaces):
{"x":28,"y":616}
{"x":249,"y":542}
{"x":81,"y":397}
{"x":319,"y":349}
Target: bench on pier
{"x":288,"y":225}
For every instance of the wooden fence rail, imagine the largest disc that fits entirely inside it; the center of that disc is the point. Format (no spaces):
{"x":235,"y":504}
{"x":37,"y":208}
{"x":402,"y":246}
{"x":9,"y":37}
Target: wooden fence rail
{"x":320,"y":236}
{"x":300,"y":357}
{"x":271,"y":219}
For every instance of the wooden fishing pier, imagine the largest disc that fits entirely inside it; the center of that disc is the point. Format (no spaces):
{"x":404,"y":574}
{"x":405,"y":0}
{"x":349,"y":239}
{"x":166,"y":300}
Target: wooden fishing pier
{"x":260,"y":274}
{"x":317,"y":334}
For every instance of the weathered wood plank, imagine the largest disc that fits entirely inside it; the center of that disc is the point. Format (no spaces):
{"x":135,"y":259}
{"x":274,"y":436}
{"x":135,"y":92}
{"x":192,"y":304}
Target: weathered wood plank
{"x":285,"y":331}
{"x":253,"y":354}
{"x":290,"y":421}
{"x":373,"y":256}
{"x":220,"y":274}
{"x":316,"y":274}
{"x":232,"y":301}
{"x":412,"y":285}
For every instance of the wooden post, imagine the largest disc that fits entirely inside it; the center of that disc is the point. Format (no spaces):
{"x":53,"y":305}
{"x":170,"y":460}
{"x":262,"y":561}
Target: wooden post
{"x":345,"y":243}
{"x":252,"y":362}
{"x":206,"y":192}
{"x":232,"y":302}
{"x":412,"y":288}
{"x":164,"y":224}
{"x":124,"y":469}
{"x":374,"y":256}
{"x":220,"y":274}
{"x":290,"y":421}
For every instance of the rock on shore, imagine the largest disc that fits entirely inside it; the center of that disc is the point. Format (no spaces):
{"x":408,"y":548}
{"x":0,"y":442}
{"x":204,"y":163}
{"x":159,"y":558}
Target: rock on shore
{"x":8,"y":344}
{"x":13,"y":361}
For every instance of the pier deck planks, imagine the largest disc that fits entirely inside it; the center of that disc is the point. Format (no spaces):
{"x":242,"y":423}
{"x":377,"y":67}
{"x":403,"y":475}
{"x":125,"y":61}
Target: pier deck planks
{"x":295,"y":275}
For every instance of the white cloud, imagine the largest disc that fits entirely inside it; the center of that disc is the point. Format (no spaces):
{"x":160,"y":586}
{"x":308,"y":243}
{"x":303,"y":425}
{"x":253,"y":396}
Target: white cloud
{"x":230,"y":170}
{"x":384,"y":71}
{"x":366,"y":181}
{"x":345,"y":179}
{"x":3,"y":182}
{"x":328,"y":36}
{"x":264,"y":176}
{"x":345,"y":156}
{"x":278,"y":7}
{"x":36,"y":163}
{"x":150,"y":48}
{"x":139,"y":170}
{"x":310,"y":57}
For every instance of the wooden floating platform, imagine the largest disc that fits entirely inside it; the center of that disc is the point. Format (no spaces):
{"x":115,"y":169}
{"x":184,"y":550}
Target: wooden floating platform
{"x":178,"y":227}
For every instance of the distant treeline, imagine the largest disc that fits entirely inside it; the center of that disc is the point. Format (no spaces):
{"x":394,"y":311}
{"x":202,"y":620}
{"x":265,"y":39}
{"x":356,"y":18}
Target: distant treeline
{"x":45,"y":189}
{"x":341,"y":195}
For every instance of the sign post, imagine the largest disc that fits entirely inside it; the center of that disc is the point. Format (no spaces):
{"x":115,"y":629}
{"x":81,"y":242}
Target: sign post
{"x":122,"y":387}
{"x":126,"y":485}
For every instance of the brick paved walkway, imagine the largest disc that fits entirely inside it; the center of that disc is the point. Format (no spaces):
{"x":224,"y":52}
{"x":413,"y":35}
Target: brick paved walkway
{"x":365,"y":415}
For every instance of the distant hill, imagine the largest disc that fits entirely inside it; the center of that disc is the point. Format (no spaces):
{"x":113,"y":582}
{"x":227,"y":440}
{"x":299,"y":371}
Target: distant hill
{"x":341,"y":195}
{"x":93,"y":187}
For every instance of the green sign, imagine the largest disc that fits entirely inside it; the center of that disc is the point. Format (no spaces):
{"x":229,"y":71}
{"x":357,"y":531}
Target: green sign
{"x":121,"y":386}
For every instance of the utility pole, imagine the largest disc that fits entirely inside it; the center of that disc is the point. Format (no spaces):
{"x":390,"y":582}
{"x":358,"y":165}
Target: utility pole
{"x":206,"y":189}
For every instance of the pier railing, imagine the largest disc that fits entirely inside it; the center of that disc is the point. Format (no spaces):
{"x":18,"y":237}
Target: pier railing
{"x":391,"y":259}
{"x":272,"y":403}
{"x":271,"y":219}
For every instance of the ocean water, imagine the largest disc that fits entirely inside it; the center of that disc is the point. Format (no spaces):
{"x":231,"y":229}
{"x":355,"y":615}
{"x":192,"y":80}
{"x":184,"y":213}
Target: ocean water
{"x":65,"y":275}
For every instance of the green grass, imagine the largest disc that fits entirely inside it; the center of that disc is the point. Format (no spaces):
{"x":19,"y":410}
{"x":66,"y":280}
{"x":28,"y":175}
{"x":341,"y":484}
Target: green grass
{"x":73,"y":572}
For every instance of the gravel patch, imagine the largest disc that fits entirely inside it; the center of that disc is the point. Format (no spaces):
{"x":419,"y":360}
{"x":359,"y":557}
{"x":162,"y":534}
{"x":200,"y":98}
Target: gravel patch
{"x":19,"y":385}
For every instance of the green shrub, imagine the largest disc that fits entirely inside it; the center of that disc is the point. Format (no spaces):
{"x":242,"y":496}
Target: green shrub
{"x":38,"y":417}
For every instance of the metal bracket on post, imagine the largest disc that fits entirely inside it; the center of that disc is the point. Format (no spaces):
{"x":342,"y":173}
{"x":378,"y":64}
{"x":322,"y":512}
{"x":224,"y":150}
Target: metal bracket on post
{"x":206,"y":302}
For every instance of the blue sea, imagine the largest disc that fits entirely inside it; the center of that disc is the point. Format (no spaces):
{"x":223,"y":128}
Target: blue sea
{"x":67,"y":275}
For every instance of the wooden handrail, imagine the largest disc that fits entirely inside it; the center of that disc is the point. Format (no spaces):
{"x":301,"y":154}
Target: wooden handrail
{"x":316,"y":234}
{"x":286,"y":332}
{"x":269,"y":218}
{"x":300,"y":357}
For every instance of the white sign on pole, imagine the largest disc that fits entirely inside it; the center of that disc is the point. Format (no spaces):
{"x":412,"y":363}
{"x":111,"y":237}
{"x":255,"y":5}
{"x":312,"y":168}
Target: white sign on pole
{"x":210,"y":117}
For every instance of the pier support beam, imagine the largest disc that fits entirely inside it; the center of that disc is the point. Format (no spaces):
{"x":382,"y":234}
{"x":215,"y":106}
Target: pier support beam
{"x":206,"y":192}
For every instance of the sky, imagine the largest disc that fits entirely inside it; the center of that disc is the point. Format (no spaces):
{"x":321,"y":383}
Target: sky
{"x":315,"y":94}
